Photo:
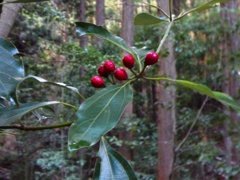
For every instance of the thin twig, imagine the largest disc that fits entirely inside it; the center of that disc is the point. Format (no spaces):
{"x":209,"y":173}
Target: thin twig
{"x":170,"y":9}
{"x":164,"y":37}
{"x":35,"y":128}
{"x":162,"y":11}
{"x":193,"y":124}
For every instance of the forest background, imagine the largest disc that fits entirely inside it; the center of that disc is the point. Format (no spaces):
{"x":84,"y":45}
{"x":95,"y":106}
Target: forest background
{"x":203,"y":47}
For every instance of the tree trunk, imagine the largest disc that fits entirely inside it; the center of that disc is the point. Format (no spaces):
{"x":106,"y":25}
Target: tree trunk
{"x":127,"y":21}
{"x":100,"y":18}
{"x":127,"y":35}
{"x":165,"y":114}
{"x":8,"y":16}
{"x":82,"y":11}
{"x":231,"y":83}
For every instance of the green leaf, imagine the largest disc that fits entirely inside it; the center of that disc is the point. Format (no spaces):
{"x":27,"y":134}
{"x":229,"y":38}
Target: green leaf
{"x":98,"y":115}
{"x":148,"y":19}
{"x":88,"y":28}
{"x":8,"y":46}
{"x":41,"y":80}
{"x":197,"y":87}
{"x":226,"y":100}
{"x":222,"y":97}
{"x":142,"y":52}
{"x":202,"y":7}
{"x":112,"y":165}
{"x":11,"y":114}
{"x":11,"y":70}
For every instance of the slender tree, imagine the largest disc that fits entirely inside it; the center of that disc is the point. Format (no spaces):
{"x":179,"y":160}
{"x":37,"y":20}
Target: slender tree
{"x":230,"y":86}
{"x":127,"y":21}
{"x":100,"y":17}
{"x":100,"y":20}
{"x":82,"y":17}
{"x":127,"y":35}
{"x":8,"y":16}
{"x":165,"y":112}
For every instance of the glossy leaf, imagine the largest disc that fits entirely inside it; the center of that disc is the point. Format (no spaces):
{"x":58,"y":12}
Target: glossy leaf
{"x":11,"y":114}
{"x":41,"y":80}
{"x":202,"y":7}
{"x":91,"y":29}
{"x":11,"y":70}
{"x":112,"y":165}
{"x":148,"y":19}
{"x":8,"y":46}
{"x":226,"y":100}
{"x":98,"y":115}
{"x":142,"y":52}
{"x":222,"y":97}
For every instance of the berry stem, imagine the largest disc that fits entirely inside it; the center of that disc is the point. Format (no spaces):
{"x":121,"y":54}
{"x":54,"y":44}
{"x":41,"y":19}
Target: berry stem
{"x":113,"y":80}
{"x":170,"y":9}
{"x":35,"y":128}
{"x":164,"y":37}
{"x":109,"y":80}
{"x":135,"y":74}
{"x":140,"y":75}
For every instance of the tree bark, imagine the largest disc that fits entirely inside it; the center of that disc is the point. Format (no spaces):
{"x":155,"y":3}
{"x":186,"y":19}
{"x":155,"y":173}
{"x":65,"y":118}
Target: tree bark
{"x":82,"y":11}
{"x":8,"y":16}
{"x":165,"y":114}
{"x":127,"y":35}
{"x":100,"y":18}
{"x":230,"y":86}
{"x":127,"y":21}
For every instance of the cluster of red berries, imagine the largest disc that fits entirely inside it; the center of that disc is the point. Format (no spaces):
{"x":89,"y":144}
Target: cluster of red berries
{"x":108,"y":68}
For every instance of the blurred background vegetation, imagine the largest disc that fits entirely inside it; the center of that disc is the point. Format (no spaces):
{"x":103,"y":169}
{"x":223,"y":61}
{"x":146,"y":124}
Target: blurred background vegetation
{"x":45,"y":35}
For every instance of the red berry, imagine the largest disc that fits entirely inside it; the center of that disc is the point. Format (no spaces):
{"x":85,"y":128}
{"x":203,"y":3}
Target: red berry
{"x":109,"y":66}
{"x":97,"y":82}
{"x":128,"y":61}
{"x":120,"y":74}
{"x":102,"y":71}
{"x":151,"y":58}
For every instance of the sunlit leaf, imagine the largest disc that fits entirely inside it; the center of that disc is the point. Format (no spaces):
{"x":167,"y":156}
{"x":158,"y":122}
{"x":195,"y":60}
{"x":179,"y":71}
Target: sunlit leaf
{"x":202,"y":7}
{"x":142,"y":52}
{"x":11,"y":70}
{"x":98,"y":115}
{"x":226,"y":100}
{"x":112,"y":165}
{"x":8,"y":46}
{"x":11,"y":114}
{"x":222,"y":97}
{"x":148,"y":19}
{"x":44,"y":81}
{"x":88,"y":28}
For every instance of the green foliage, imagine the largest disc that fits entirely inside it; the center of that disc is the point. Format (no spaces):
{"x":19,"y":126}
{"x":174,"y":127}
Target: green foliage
{"x":87,"y":28}
{"x":147,"y":19}
{"x":11,"y":114}
{"x":91,"y":29}
{"x":55,"y":163}
{"x":44,"y":81}
{"x":8,"y":46}
{"x":202,"y":7}
{"x":223,"y":98}
{"x":11,"y":70}
{"x":113,"y":165}
{"x":98,"y":115}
